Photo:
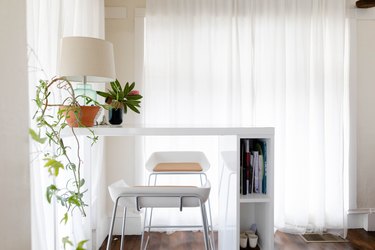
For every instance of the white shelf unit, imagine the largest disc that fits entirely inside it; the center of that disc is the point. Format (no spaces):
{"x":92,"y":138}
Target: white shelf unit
{"x":238,"y":211}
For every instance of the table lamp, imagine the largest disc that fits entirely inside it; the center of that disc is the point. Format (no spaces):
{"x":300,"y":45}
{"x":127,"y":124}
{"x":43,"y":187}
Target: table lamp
{"x":86,"y":59}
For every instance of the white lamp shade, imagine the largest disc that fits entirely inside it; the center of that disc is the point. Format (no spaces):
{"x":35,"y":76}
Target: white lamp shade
{"x":86,"y":56}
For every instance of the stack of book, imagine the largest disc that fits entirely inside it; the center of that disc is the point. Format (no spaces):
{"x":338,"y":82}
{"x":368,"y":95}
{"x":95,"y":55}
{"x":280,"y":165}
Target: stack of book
{"x":253,"y":166}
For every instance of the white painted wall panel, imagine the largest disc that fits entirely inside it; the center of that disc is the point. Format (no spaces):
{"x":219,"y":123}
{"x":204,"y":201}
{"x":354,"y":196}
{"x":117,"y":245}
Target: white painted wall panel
{"x":366,"y":113}
{"x":15,"y":229}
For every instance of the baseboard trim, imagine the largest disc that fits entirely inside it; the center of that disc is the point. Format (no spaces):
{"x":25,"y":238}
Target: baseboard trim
{"x":362,"y":218}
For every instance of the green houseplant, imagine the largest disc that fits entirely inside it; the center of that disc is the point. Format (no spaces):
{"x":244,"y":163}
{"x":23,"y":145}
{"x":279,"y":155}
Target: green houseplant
{"x":120,"y":99}
{"x":58,"y":156}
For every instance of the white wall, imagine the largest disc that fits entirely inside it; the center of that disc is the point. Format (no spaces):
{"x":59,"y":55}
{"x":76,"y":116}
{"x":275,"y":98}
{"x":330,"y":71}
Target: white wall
{"x":119,"y":156}
{"x":15,"y":229}
{"x":121,"y":33}
{"x":366,"y":113}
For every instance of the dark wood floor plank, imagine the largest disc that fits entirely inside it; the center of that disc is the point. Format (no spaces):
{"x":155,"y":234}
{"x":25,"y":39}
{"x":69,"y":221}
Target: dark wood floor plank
{"x":359,"y":239}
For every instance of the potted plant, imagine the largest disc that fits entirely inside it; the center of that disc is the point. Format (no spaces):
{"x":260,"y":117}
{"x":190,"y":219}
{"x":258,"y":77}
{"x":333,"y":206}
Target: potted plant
{"x":119,"y":100}
{"x":83,"y":114}
{"x":60,"y":157}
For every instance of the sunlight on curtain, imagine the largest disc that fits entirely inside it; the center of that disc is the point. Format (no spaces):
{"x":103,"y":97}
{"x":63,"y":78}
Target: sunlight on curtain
{"x":48,"y":21}
{"x":258,"y":63}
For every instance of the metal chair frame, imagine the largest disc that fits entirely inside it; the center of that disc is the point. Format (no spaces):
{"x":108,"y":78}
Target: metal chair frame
{"x":155,"y":175}
{"x":205,"y":226}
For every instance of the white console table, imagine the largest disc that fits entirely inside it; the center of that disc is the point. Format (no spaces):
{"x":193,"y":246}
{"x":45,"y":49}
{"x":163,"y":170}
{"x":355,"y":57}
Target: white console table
{"x":236,"y":212}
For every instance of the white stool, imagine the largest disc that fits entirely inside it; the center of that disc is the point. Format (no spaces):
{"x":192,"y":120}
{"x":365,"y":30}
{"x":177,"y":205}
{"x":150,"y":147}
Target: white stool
{"x":179,"y":163}
{"x":158,"y":197}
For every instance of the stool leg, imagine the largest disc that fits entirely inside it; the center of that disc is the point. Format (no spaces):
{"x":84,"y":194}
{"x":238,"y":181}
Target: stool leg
{"x":143,"y":230}
{"x":111,"y":226}
{"x":145,"y":220}
{"x":123,"y":229}
{"x":150,"y":221}
{"x":151,"y":210}
{"x":205,"y":227}
{"x":212,"y":238}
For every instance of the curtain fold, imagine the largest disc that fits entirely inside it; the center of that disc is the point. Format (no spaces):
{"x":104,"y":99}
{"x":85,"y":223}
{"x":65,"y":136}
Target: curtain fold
{"x":259,"y":63}
{"x":49,"y":21}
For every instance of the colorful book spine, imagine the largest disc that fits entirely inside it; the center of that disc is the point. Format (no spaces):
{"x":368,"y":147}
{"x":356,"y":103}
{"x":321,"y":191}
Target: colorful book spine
{"x":248,"y":165}
{"x":264,"y":182}
{"x":244,"y":171}
{"x":256,"y":172}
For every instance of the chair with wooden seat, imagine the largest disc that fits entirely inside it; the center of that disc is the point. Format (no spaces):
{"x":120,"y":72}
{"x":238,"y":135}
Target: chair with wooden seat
{"x":164,"y":163}
{"x":158,"y":197}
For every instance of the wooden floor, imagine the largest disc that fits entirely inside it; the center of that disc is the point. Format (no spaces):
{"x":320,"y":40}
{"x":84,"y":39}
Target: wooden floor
{"x":177,"y":241}
{"x":359,"y":239}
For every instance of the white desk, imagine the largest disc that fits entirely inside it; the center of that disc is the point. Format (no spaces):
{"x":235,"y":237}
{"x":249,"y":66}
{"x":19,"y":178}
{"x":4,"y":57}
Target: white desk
{"x":260,"y":207}
{"x":140,"y":130}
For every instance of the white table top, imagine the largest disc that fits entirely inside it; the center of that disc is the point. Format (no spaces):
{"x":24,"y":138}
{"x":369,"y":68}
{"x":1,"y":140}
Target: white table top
{"x":160,"y":130}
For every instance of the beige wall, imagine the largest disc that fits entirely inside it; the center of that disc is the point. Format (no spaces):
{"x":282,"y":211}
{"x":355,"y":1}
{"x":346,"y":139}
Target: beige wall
{"x":366,"y":113}
{"x":15,"y":228}
{"x":121,"y":33}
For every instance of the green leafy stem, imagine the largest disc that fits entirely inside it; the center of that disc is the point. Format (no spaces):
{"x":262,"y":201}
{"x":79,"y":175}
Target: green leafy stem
{"x":49,"y":128}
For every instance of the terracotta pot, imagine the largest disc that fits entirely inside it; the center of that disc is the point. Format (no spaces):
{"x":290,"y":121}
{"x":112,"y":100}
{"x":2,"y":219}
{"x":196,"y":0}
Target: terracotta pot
{"x":85,"y":114}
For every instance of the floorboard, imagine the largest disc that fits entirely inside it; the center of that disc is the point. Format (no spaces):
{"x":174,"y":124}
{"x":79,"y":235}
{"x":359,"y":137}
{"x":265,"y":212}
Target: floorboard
{"x":359,"y":239}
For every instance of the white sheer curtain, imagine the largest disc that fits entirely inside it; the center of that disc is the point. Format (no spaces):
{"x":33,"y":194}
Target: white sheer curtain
{"x":258,"y":63}
{"x":48,"y":21}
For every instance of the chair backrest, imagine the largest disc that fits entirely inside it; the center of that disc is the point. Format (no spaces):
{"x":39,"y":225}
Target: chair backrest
{"x":183,"y":160}
{"x":159,"y":196}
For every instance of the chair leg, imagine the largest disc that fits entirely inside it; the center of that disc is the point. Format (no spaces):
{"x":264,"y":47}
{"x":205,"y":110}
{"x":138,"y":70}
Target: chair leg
{"x":149,"y":226}
{"x":111,"y":226}
{"x":210,"y":225}
{"x":205,"y":227}
{"x":143,"y":246}
{"x":123,"y":229}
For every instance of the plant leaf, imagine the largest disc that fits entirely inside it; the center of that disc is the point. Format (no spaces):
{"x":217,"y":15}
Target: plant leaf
{"x":65,"y":218}
{"x":65,"y":241}
{"x":74,"y":200}
{"x":36,"y":137}
{"x":104,"y":94}
{"x":80,"y":245}
{"x":126,"y":89}
{"x":118,"y":85}
{"x":133,"y":108}
{"x":81,"y":183}
{"x":132,"y":86}
{"x":134,"y":97}
{"x":50,"y":191}
{"x":53,"y":166}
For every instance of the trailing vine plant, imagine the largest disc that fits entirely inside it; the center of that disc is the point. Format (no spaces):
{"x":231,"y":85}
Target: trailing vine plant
{"x":50,"y":125}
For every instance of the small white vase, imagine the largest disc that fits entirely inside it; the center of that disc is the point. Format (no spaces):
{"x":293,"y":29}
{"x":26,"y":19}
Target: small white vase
{"x":253,"y":240}
{"x":243,"y":240}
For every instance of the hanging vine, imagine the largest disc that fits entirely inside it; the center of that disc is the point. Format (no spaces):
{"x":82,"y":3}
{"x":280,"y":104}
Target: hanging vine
{"x":50,"y":125}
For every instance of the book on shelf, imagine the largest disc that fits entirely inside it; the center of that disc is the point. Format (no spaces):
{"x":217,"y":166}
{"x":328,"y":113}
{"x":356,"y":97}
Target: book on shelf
{"x":253,"y":166}
{"x":243,"y":188}
{"x":248,"y":166}
{"x":256,"y":172}
{"x":263,"y":146}
{"x":261,"y":173}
